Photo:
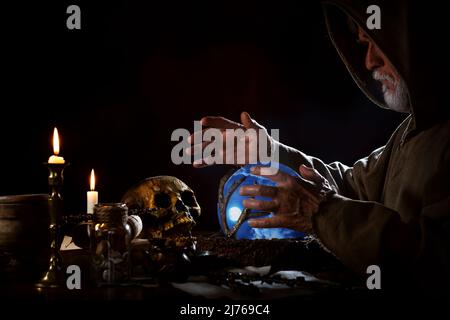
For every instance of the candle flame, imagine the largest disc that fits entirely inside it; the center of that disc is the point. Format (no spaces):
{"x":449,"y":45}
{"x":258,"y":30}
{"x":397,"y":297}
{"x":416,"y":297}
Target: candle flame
{"x":55,"y":142}
{"x":92,"y":180}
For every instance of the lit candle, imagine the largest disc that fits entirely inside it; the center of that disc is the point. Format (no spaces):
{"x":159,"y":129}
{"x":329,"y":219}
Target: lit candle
{"x":55,"y":158}
{"x":92,"y":196}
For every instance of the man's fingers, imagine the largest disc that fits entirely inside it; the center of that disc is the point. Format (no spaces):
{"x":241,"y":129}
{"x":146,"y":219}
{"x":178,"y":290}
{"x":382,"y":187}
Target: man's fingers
{"x":310,"y":174}
{"x":216,"y":158}
{"x":196,"y":136}
{"x":272,"y":222}
{"x":196,"y":149}
{"x":279,"y":177}
{"x":268,"y":206}
{"x":220,"y":123}
{"x":248,"y":122}
{"x":258,"y":190}
{"x":199,"y":164}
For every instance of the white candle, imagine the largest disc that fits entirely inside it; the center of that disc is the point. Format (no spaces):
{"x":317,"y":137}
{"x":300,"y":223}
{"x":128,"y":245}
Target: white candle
{"x":55,"y":158}
{"x":92,"y":196}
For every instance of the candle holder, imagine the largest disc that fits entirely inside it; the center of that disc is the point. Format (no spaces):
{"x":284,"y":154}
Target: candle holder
{"x":53,"y":276}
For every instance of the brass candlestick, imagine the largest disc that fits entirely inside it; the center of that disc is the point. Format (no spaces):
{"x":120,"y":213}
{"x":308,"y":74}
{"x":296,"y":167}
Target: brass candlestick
{"x":53,"y":276}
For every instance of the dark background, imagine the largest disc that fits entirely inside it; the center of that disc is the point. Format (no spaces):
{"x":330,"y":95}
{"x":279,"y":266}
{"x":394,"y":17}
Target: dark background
{"x":117,"y":88}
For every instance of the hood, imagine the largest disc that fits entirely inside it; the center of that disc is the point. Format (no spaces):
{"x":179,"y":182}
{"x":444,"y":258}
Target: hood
{"x":412,"y":37}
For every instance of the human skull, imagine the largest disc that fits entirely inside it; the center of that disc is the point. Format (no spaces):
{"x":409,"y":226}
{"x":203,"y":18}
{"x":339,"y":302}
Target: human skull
{"x":167,"y":206}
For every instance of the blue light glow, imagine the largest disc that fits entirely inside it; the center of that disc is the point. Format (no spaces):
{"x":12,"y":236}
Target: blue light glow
{"x":234,"y":213}
{"x":235,"y":207}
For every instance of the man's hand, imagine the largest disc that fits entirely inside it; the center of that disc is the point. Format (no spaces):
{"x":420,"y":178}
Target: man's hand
{"x":294,"y":200}
{"x":222,"y":124}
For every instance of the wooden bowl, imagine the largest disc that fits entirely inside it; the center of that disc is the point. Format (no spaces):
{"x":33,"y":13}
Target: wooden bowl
{"x":24,"y":236}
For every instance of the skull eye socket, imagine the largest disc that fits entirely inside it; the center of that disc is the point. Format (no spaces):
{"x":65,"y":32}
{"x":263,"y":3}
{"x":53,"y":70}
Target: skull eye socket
{"x":162,"y":200}
{"x":188,"y":198}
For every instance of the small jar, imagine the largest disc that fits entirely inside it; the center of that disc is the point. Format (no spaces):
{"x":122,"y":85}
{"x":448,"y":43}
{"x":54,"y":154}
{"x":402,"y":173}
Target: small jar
{"x":111,"y":239}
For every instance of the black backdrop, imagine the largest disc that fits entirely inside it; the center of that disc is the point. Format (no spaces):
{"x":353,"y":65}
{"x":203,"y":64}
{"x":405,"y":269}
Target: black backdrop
{"x":117,"y":88}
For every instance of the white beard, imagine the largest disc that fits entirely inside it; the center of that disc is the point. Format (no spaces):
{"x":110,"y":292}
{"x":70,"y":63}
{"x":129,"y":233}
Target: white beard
{"x":397,"y":100}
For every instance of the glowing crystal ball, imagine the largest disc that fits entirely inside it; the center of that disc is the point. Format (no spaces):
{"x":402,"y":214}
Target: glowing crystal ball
{"x":234,"y":207}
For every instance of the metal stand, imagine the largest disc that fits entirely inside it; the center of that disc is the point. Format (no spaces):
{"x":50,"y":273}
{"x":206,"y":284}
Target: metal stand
{"x":53,"y":276}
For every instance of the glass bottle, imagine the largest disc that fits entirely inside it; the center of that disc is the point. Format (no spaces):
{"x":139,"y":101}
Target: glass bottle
{"x":110,"y":244}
